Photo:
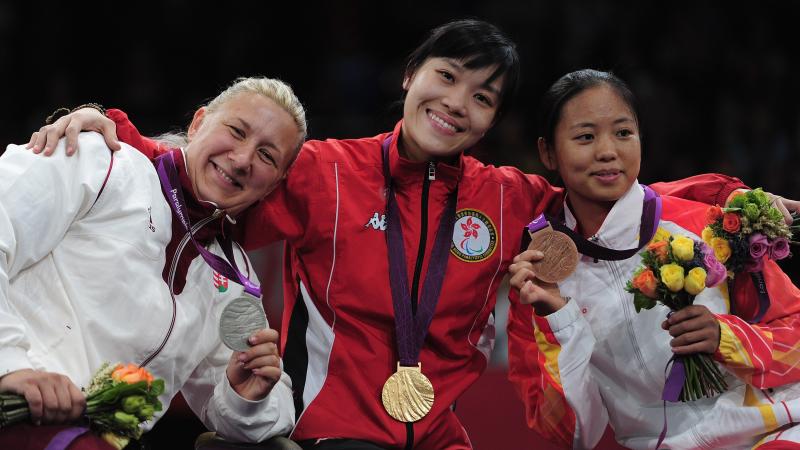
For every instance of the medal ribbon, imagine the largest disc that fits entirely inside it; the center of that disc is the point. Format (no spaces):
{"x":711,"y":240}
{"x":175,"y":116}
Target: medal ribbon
{"x":651,"y":215}
{"x":170,"y":184}
{"x":411,"y":329}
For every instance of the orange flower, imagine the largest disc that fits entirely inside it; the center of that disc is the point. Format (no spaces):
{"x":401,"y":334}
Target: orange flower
{"x":713,"y":214}
{"x":131,"y":374}
{"x":731,"y":222}
{"x":646,"y":282}
{"x":659,"y":249}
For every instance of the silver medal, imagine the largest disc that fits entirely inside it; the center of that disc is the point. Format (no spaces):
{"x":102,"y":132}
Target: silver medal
{"x":239,"y":320}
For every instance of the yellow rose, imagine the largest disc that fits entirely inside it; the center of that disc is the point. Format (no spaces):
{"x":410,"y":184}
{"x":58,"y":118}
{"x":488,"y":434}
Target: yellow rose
{"x":682,"y":248}
{"x":722,"y":250}
{"x":672,"y":276}
{"x":661,"y":235}
{"x":707,"y":235}
{"x":695,"y":281}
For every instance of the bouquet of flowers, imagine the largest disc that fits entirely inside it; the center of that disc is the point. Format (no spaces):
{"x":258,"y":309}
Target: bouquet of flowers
{"x":674,"y":270}
{"x":119,"y":398}
{"x":747,"y":232}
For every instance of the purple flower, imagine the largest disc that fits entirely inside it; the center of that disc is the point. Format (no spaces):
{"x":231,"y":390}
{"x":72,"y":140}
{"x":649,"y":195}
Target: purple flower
{"x":759,"y":245}
{"x":715,"y":270}
{"x":779,"y":248}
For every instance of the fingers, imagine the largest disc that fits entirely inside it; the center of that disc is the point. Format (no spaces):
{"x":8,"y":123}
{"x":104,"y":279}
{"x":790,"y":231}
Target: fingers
{"x":520,"y":273}
{"x":35,"y":402}
{"x":778,"y":203}
{"x":71,"y":132}
{"x":109,"y":131}
{"x":78,"y":402}
{"x":529,"y":255}
{"x":52,"y":134}
{"x":694,"y":329}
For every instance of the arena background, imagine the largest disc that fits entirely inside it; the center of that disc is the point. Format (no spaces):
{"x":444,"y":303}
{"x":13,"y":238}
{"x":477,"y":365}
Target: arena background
{"x":716,"y":83}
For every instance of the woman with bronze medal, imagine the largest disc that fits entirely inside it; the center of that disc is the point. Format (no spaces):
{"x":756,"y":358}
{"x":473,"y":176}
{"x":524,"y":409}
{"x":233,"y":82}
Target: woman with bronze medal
{"x":396,"y":247}
{"x":595,"y":354}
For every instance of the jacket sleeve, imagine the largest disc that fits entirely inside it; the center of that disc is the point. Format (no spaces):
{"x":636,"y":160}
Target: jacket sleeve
{"x":40,"y":198}
{"x":763,"y":354}
{"x":549,"y":366}
{"x":710,"y":188}
{"x":210,"y":395}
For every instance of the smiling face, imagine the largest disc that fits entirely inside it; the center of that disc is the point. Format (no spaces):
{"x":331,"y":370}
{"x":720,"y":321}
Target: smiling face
{"x":239,"y":152}
{"x":596,"y":147}
{"x":447,"y":108}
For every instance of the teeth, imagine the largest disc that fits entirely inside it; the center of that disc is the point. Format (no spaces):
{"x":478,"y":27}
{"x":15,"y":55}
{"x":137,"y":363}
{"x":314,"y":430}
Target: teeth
{"x":225,"y":175}
{"x":441,"y":122}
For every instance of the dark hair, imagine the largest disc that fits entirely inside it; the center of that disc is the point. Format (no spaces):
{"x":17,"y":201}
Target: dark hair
{"x":478,"y":44}
{"x":571,"y":85}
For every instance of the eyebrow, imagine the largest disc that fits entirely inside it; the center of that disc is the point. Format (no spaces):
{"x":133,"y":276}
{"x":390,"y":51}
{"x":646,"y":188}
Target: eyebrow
{"x":455,"y":64}
{"x":592,"y":125}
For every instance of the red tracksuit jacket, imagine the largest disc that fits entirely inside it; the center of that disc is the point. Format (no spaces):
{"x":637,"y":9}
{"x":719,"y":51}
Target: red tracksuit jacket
{"x":338,"y":336}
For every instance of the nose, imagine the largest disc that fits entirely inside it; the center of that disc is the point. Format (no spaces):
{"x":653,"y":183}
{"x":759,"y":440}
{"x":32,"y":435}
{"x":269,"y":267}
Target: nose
{"x":606,"y":148}
{"x":241,"y":158}
{"x":456,"y":101}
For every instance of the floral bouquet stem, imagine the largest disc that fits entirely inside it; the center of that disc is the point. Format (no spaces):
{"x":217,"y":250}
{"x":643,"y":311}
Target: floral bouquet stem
{"x":119,"y":399}
{"x":703,"y":378}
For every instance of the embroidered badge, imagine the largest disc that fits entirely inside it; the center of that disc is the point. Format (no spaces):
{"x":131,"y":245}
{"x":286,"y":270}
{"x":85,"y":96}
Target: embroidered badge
{"x":220,"y":282}
{"x":474,"y":236}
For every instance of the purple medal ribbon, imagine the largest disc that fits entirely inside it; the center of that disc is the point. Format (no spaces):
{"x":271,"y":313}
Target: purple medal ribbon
{"x":170,"y":184}
{"x":411,"y":328}
{"x":64,"y":438}
{"x":651,"y":216}
{"x":763,"y":296}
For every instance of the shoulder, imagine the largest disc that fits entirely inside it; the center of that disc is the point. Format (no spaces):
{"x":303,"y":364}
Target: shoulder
{"x":687,"y":214}
{"x":348,"y":151}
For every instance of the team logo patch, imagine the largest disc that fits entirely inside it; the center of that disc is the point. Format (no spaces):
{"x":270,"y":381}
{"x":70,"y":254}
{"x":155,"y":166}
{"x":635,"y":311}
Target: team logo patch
{"x":220,"y":282}
{"x":474,"y":236}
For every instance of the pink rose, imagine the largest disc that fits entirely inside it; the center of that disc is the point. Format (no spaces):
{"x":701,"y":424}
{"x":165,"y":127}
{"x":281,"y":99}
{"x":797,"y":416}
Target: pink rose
{"x":759,"y":245}
{"x":779,"y":248}
{"x":715,"y":270}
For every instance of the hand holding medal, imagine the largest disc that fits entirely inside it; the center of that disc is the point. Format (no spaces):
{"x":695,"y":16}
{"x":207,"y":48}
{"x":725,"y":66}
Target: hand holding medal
{"x":551,"y":257}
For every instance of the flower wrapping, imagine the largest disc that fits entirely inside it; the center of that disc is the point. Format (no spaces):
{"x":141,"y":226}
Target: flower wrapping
{"x":674,"y":270}
{"x":118,"y":400}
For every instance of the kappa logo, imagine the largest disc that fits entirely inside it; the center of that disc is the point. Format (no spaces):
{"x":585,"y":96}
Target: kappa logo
{"x":220,"y":282}
{"x":474,"y":236}
{"x":377,"y":222}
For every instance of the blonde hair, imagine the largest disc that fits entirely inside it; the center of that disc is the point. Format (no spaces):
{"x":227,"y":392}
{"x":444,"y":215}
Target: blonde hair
{"x":272,"y":88}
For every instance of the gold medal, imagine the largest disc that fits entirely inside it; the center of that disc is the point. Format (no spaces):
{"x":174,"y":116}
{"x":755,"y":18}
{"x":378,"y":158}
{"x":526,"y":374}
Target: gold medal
{"x":408,"y":394}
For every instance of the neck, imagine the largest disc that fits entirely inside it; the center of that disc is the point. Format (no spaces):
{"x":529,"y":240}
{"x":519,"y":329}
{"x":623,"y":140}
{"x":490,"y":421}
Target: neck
{"x":589,"y":214}
{"x":413,"y":152}
{"x":410,"y":150}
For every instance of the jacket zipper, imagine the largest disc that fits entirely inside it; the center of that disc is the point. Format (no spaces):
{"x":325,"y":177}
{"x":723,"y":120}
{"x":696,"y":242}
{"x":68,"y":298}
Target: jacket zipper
{"x":430,"y":175}
{"x":173,"y":267}
{"x":423,"y":235}
{"x":628,"y":319}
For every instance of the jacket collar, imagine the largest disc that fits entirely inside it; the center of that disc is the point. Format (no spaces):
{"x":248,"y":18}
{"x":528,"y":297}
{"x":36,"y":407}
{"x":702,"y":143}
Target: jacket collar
{"x":198,"y":210}
{"x":620,"y":229}
{"x":404,"y":171}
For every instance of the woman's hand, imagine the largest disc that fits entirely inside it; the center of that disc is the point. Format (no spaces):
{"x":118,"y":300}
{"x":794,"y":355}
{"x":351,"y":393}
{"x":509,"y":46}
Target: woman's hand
{"x":52,"y":398}
{"x":545,"y":297}
{"x":694,"y":329}
{"x":84,"y":119}
{"x":254,"y":372}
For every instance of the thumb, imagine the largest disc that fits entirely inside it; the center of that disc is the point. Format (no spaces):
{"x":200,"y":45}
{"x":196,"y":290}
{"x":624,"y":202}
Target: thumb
{"x":109,"y":131}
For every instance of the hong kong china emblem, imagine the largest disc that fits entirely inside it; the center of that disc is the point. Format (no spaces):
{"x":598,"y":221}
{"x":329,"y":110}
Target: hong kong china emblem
{"x":474,"y":236}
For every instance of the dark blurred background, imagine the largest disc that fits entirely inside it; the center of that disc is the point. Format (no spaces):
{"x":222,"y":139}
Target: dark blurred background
{"x":715,"y":81}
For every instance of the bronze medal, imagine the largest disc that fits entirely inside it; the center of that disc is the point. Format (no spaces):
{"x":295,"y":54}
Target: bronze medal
{"x":408,"y":394}
{"x":560,"y":255}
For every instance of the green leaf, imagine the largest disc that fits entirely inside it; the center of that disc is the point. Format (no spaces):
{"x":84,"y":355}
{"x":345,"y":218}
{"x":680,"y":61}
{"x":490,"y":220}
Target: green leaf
{"x":641,"y":301}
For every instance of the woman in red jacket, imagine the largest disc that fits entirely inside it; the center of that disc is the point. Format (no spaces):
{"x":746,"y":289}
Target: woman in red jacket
{"x":396,"y":246}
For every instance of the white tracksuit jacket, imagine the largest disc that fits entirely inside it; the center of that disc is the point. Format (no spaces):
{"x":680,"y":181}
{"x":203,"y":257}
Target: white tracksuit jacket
{"x":80,"y":284}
